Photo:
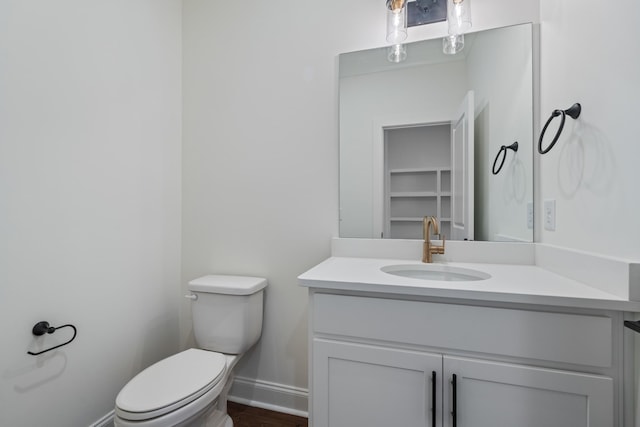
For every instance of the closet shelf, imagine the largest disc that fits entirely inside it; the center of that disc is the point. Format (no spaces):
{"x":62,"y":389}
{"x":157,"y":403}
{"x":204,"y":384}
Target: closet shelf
{"x":413,"y":194}
{"x":420,"y":194}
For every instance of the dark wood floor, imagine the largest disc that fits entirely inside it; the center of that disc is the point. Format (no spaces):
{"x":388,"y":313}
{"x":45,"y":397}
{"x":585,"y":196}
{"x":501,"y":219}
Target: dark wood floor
{"x":248,"y":416}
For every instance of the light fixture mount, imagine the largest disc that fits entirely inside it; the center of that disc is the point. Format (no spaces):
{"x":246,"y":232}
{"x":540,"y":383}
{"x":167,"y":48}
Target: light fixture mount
{"x":422,"y":12}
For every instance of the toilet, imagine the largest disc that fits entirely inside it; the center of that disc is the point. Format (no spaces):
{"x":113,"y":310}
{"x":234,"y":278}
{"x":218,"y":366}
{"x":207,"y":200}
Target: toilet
{"x":189,"y":389}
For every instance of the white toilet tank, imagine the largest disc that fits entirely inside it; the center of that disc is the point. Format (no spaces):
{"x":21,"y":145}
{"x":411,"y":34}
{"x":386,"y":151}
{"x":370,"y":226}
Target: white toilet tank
{"x":227,"y":312}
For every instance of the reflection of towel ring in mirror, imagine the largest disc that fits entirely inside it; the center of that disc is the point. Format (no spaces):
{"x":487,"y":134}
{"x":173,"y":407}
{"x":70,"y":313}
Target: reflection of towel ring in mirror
{"x":503,"y":151}
{"x":573,"y":112}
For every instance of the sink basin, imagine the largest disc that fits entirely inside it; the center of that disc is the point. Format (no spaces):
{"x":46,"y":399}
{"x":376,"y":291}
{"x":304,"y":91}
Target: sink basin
{"x":435,"y":272}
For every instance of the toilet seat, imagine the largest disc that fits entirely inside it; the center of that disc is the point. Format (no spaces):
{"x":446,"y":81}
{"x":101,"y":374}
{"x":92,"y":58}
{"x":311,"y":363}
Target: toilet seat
{"x":170,"y":384}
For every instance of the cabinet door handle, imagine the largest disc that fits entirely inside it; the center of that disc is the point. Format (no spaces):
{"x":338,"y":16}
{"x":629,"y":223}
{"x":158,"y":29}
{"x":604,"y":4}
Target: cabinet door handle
{"x":454,"y":406}
{"x":433,"y":399}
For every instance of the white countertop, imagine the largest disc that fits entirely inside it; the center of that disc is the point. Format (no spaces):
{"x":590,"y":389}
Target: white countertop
{"x":511,"y":283}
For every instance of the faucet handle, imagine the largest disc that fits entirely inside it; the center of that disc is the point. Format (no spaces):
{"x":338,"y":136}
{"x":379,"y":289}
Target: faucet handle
{"x":440,"y":249}
{"x":442,"y":236}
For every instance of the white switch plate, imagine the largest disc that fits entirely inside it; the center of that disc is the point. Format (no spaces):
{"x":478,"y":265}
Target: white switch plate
{"x":550,"y":215}
{"x":530,"y":215}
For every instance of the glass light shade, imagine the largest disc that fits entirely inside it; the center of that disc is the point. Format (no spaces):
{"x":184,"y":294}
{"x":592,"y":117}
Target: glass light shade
{"x":459,"y":16}
{"x":396,"y":21}
{"x":397,"y":53}
{"x":453,"y":44}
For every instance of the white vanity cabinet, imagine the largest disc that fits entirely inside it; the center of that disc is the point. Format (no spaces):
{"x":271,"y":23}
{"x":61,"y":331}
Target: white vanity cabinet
{"x":363,"y":385}
{"x":501,"y":394}
{"x":393,"y":361}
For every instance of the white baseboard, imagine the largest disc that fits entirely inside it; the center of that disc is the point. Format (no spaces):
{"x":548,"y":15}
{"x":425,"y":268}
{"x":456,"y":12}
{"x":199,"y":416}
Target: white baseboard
{"x":106,"y":421}
{"x":272,"y":396}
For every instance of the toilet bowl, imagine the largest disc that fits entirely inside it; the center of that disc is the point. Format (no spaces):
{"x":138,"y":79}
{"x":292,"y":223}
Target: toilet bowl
{"x":189,"y":389}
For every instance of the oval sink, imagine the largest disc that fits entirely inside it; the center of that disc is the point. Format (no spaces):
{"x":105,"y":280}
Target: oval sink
{"x":435,"y":272}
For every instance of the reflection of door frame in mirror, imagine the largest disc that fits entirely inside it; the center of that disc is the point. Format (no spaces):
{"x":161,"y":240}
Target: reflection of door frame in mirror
{"x":379,"y":126}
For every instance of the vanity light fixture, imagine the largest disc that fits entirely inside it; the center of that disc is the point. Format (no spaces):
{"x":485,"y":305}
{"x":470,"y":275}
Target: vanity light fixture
{"x":396,"y":30}
{"x":402,"y":14}
{"x":396,"y":21}
{"x":421,"y":12}
{"x":459,"y":20}
{"x":459,"y":16}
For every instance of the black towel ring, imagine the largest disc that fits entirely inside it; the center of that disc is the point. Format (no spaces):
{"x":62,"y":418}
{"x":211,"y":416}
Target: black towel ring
{"x":503,"y":151}
{"x":573,"y":112}
{"x":42,"y":328}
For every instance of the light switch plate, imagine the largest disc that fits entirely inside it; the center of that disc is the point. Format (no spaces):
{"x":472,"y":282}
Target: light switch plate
{"x":550,"y":215}
{"x":530,"y":215}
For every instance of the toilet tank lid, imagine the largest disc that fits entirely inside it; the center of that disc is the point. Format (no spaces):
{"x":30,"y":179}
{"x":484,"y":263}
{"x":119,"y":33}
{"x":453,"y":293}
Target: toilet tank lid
{"x":230,"y":285}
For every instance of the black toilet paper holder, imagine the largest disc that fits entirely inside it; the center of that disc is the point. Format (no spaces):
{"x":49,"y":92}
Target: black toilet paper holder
{"x":43,"y":327}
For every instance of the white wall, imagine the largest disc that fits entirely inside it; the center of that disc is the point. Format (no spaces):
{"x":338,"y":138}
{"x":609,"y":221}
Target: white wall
{"x":260,"y":159}
{"x":260,"y":163}
{"x":592,"y":172}
{"x":89,"y":201}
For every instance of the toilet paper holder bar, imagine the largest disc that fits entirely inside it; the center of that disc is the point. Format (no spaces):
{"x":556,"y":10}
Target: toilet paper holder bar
{"x":43,"y":327}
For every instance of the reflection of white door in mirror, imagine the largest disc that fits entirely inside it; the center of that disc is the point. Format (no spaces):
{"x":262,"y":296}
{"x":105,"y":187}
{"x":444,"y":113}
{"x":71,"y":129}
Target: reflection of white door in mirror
{"x":462,"y":152}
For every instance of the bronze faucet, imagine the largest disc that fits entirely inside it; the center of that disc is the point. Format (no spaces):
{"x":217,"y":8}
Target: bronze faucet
{"x":427,"y":248}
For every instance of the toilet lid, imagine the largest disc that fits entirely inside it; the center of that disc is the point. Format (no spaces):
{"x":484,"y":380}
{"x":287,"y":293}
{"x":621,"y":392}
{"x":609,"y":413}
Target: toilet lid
{"x":170,"y":384}
{"x":228,"y":285}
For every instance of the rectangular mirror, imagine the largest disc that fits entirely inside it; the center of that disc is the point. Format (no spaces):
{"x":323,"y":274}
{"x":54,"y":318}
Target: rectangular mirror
{"x":424,"y":137}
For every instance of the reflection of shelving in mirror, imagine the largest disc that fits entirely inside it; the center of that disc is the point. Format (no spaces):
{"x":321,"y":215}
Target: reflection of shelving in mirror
{"x":418,"y":193}
{"x":417,"y":179}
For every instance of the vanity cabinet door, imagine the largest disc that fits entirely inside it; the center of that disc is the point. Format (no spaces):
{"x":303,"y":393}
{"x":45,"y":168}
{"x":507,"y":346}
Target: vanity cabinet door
{"x":490,"y":394}
{"x":372,"y":386}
